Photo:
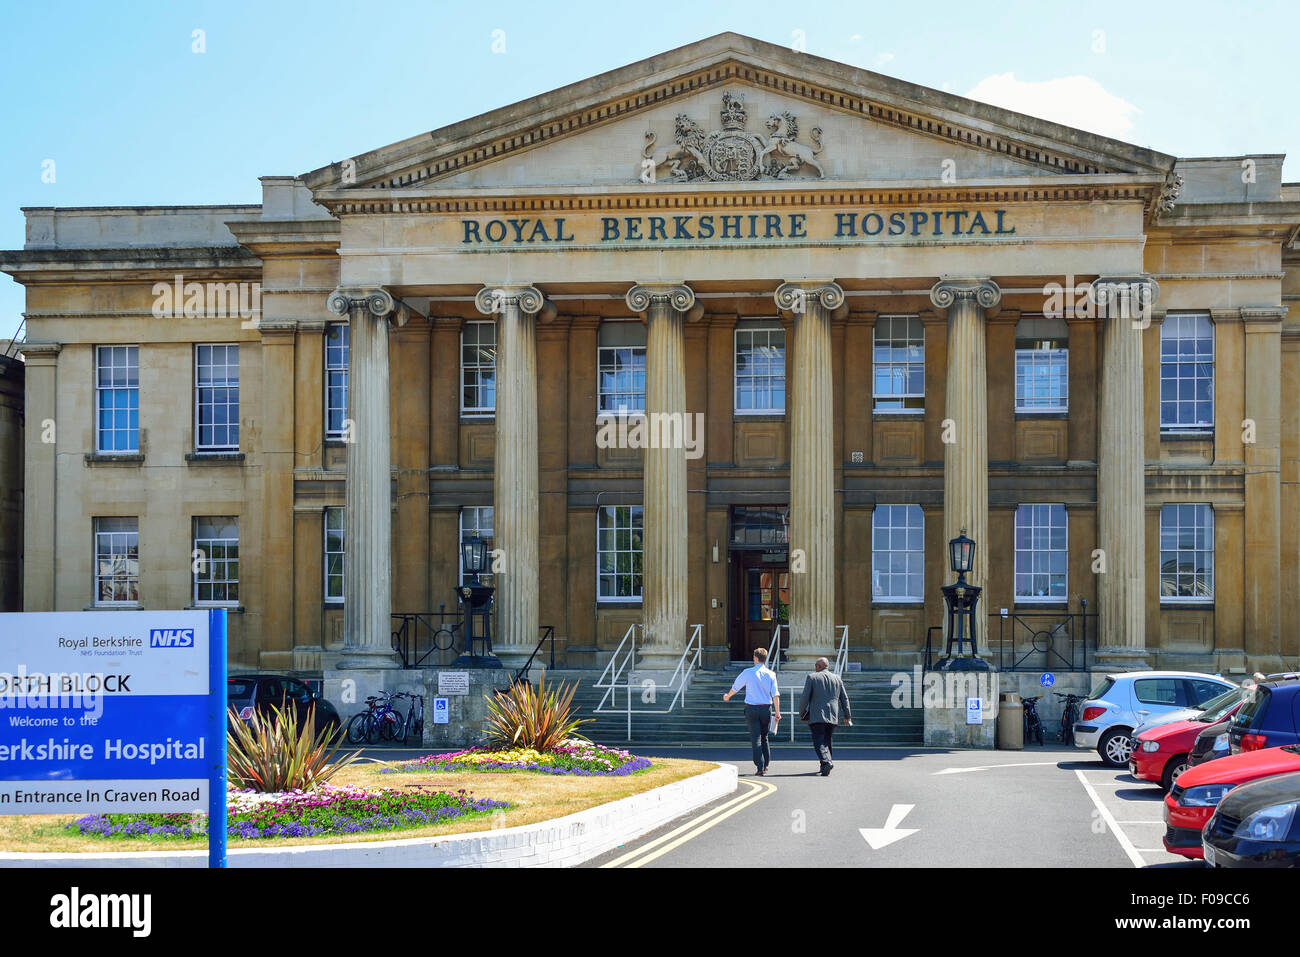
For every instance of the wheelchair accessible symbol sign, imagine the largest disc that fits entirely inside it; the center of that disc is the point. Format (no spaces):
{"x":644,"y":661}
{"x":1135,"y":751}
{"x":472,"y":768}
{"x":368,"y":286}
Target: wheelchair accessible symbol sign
{"x":1047,"y":679}
{"x":441,"y":713}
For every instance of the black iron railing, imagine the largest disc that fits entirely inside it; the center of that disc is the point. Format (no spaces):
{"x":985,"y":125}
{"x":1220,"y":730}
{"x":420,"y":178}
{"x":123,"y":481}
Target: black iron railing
{"x":1032,"y":640}
{"x":418,"y":634}
{"x":1042,"y":640}
{"x":545,"y":633}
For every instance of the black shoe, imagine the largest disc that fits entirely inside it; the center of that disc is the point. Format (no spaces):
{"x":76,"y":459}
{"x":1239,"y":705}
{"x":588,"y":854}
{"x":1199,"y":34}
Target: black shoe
{"x":762,"y":772}
{"x":826,"y":769}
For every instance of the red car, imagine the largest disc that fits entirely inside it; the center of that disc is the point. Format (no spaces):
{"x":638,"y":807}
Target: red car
{"x":1191,"y":802}
{"x":1160,"y":753}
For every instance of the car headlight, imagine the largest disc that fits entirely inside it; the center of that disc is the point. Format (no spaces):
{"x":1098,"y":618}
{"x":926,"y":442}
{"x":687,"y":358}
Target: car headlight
{"x":1221,"y":742}
{"x":1207,"y":795}
{"x":1150,"y":746}
{"x":1267,"y":824}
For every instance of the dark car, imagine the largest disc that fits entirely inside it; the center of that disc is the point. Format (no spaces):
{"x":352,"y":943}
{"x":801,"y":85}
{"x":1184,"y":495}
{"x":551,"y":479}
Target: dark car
{"x":1211,"y":743}
{"x":249,"y":694}
{"x":1256,"y":825}
{"x":1269,"y":718}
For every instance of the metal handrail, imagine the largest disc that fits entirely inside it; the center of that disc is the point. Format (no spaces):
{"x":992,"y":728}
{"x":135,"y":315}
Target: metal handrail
{"x":612,"y":678}
{"x":774,"y":653}
{"x":842,"y":653}
{"x":546,"y":632}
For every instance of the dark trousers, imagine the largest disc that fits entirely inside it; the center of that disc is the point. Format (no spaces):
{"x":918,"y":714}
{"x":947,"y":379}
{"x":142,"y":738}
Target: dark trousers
{"x":821,"y":735}
{"x":758,"y":719}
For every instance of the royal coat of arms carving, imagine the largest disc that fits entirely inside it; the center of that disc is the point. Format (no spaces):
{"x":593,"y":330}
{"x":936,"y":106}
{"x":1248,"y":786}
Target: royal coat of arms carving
{"x":732,"y":153}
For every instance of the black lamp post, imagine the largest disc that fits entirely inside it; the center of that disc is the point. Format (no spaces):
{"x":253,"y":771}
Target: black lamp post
{"x":962,"y":598}
{"x":476,"y":599}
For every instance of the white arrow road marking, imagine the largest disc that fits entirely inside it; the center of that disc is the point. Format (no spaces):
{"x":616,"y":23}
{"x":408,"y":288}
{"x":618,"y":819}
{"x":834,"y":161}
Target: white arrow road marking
{"x":879,"y":837}
{"x":991,"y":767}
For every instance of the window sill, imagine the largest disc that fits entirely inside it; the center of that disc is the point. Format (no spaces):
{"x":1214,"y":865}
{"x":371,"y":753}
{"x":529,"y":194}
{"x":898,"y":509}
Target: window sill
{"x":1061,"y":414}
{"x":213,"y":606}
{"x":897,"y":413}
{"x":898,"y":603}
{"x":1052,"y":604}
{"x":616,"y":603}
{"x":124,"y":606}
{"x":767,"y":416}
{"x":1186,"y":435}
{"x":213,"y":458}
{"x":469,"y":418}
{"x":111,"y":458}
{"x":1187,"y":603}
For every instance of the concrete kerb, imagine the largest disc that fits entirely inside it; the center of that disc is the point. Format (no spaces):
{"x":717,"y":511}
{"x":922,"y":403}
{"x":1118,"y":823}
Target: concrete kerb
{"x":561,"y":842}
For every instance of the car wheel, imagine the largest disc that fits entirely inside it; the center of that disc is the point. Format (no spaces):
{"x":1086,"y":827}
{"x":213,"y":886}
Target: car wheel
{"x":1173,"y":768}
{"x":1115,"y":748}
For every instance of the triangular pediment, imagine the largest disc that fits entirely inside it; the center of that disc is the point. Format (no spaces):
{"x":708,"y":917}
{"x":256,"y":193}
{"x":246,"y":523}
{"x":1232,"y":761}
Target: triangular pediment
{"x":725,"y":108}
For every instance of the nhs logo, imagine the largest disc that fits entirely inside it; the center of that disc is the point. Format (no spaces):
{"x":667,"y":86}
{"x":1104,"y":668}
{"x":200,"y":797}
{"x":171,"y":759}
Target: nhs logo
{"x":171,"y":637}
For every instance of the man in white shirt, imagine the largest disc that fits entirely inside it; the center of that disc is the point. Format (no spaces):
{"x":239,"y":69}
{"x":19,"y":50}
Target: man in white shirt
{"x":762,"y":704}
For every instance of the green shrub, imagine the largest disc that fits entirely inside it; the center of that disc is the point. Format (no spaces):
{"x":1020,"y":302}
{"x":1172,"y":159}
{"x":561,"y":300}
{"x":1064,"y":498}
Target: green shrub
{"x":276,"y":754}
{"x":539,"y":719}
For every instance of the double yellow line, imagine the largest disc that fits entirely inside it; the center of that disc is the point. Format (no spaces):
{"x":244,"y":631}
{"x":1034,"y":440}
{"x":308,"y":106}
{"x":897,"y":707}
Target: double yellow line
{"x":757,"y":790}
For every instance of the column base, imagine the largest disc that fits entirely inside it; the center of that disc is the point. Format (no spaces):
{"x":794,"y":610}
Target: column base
{"x":364,"y":658}
{"x":655,"y":660}
{"x":963,"y":663}
{"x":477,"y":661}
{"x":1121,"y":658}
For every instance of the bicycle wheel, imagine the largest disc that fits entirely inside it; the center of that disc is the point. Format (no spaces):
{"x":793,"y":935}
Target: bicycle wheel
{"x":414,"y":731}
{"x":390,"y":726}
{"x":1038,"y":730}
{"x":374,"y":729}
{"x":358,"y":727}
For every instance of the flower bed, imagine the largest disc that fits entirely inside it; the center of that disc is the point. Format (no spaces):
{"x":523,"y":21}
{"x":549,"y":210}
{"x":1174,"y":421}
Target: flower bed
{"x":579,"y":758}
{"x":329,"y":810}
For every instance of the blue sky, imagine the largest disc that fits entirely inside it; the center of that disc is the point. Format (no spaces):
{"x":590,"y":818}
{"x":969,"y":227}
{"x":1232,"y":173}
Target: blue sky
{"x":115,"y":95}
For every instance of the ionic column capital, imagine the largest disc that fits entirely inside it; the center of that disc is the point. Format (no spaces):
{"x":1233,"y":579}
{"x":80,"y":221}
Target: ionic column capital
{"x":793,"y":295}
{"x":676,"y":295}
{"x":1123,"y":297}
{"x":946,"y":293}
{"x":376,"y":300}
{"x":495,"y":298}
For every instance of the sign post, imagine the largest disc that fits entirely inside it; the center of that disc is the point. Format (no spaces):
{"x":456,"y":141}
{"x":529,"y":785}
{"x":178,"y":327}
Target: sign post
{"x":115,"y":712}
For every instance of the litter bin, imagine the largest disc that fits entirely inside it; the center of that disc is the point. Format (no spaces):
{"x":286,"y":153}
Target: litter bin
{"x":1011,"y":722}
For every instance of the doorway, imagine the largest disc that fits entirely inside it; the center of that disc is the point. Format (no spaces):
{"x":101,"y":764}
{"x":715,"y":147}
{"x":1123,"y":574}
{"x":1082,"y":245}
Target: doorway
{"x":762,"y":590}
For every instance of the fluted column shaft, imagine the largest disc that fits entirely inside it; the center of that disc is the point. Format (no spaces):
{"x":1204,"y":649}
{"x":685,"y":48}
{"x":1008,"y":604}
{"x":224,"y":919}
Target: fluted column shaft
{"x":663,"y":537}
{"x":812,"y":465}
{"x":966,"y":438}
{"x":514,"y":471}
{"x":1123,"y":308}
{"x":367,"y":517}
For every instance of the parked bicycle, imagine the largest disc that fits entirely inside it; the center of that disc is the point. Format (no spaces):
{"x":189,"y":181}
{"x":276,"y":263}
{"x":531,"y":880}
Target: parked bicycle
{"x":381,"y":721}
{"x":1069,"y":716}
{"x":413,"y":731}
{"x":1033,"y":725}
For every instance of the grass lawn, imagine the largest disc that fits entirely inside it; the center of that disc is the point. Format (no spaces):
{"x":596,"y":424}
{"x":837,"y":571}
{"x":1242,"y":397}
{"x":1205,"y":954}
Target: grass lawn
{"x":533,"y":797}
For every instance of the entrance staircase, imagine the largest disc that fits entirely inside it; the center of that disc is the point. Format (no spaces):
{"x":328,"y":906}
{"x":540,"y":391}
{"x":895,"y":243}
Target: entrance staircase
{"x":702,"y":718}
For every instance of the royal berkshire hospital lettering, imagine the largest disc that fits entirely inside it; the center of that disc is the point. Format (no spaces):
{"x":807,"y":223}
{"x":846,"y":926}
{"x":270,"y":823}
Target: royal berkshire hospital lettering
{"x":739,"y":227}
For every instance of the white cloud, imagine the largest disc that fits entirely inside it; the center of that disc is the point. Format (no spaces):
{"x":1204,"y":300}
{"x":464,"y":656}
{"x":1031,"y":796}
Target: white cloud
{"x":1078,"y":101}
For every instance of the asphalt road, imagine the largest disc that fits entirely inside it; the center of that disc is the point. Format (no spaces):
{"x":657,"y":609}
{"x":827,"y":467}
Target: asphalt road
{"x":1048,"y":807}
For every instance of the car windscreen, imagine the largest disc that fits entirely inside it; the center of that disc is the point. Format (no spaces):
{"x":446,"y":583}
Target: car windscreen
{"x":1101,"y":689}
{"x":1252,"y":711}
{"x":1217,"y":708}
{"x":240,"y":689}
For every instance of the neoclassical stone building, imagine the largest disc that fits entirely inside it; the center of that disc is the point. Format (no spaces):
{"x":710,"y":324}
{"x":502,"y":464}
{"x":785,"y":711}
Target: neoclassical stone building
{"x":731,"y":336}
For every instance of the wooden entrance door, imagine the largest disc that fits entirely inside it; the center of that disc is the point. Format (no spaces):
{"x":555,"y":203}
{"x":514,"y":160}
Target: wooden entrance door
{"x":762,"y":590}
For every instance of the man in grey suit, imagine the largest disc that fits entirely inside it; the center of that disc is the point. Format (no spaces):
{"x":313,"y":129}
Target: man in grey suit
{"x":824,"y":704}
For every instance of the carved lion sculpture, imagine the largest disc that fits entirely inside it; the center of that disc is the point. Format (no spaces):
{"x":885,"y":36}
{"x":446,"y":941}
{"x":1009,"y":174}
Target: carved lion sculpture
{"x":684,"y":159}
{"x":783,"y":155}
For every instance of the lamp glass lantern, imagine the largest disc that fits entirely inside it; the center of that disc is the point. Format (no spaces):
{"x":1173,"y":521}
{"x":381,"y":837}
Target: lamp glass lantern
{"x":961,"y":553}
{"x":474,"y":556}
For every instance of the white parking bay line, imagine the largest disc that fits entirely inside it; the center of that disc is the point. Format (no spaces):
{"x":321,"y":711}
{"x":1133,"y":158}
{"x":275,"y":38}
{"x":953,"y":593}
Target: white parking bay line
{"x":1125,"y":844}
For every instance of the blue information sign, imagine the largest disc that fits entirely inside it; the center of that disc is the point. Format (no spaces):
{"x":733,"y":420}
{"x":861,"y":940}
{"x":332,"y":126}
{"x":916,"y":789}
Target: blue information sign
{"x":115,"y":711}
{"x":1047,"y":679}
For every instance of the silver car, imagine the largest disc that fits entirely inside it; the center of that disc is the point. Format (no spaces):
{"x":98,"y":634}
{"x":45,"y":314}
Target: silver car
{"x":1124,"y":700}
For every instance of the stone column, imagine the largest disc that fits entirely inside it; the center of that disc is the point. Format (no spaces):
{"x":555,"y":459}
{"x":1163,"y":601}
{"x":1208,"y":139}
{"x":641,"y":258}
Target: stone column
{"x":367,"y":516}
{"x":812,"y":467}
{"x":664,"y":498}
{"x":1263,"y":406}
{"x":965,"y":429}
{"x":40,"y":475}
{"x":1123,"y":309}
{"x":514,"y":469}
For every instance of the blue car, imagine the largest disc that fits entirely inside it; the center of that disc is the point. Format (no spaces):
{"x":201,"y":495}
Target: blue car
{"x":1269,"y":718}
